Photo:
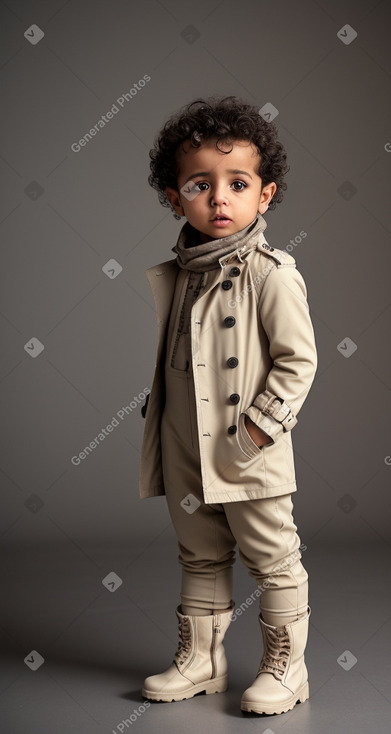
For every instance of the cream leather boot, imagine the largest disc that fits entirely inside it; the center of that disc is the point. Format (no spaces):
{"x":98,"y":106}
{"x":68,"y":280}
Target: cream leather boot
{"x":282,"y":678}
{"x":199,"y":663}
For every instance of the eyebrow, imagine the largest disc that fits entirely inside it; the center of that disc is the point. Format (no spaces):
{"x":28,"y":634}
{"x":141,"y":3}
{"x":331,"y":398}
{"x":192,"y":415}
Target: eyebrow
{"x":207,"y":173}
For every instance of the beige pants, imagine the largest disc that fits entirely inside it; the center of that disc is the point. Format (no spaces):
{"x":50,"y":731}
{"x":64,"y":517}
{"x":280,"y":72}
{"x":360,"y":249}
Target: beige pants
{"x":263,"y":529}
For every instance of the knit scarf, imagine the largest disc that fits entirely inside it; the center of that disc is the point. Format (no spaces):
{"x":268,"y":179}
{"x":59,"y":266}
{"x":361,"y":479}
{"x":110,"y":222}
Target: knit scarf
{"x":192,"y":254}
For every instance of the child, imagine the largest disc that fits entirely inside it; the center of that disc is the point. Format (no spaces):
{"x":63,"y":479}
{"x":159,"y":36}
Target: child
{"x":236,"y":359}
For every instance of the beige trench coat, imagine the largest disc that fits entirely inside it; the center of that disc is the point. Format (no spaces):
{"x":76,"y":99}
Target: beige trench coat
{"x":273,"y":344}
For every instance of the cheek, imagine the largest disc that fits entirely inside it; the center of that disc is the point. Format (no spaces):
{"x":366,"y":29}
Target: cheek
{"x":196,"y":205}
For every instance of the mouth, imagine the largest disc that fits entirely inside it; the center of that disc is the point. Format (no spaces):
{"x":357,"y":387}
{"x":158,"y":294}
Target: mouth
{"x":220,"y":218}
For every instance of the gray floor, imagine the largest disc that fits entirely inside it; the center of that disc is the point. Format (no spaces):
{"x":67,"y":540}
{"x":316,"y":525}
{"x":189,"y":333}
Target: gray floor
{"x":99,"y":646}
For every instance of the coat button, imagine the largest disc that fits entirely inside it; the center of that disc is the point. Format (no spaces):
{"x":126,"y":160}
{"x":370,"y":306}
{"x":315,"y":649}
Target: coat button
{"x":226,"y":284}
{"x":232,"y":429}
{"x":232,"y":362}
{"x":234,"y":272}
{"x":234,"y":398}
{"x":229,"y":321}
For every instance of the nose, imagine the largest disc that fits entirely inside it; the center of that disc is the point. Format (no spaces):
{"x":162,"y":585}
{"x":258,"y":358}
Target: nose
{"x":218,"y":196}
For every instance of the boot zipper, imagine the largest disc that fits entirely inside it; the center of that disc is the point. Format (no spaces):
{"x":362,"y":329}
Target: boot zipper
{"x":216,"y":631}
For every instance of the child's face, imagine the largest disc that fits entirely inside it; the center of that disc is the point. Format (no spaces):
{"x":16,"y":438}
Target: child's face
{"x":219,"y":183}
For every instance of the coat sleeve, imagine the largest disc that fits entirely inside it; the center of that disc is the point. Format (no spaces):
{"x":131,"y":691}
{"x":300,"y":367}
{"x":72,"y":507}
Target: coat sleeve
{"x":284,"y":314}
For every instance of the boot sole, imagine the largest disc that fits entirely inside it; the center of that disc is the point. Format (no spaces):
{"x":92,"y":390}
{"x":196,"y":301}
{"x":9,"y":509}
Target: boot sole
{"x":217,"y":685}
{"x":257,"y":707}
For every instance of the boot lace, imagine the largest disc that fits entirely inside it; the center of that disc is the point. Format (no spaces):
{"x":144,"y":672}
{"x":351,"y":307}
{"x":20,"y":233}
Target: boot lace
{"x":276,"y":653}
{"x":184,"y":645}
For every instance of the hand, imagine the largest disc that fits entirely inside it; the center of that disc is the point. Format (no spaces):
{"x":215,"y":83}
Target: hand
{"x":257,"y":434}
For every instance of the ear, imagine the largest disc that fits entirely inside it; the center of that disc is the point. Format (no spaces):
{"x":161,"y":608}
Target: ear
{"x":266,"y":196}
{"x":173,"y":197}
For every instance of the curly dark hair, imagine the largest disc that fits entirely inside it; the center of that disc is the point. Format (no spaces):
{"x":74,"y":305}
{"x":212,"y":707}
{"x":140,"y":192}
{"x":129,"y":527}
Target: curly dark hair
{"x":228,"y":119}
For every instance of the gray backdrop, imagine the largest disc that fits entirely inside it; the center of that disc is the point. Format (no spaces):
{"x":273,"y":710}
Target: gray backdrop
{"x":79,"y":227}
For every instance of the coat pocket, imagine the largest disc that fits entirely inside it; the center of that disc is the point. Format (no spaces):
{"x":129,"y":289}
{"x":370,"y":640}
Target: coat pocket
{"x":246,"y":443}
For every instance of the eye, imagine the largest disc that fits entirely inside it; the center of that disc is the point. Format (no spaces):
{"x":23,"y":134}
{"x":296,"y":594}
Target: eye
{"x":201,"y":183}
